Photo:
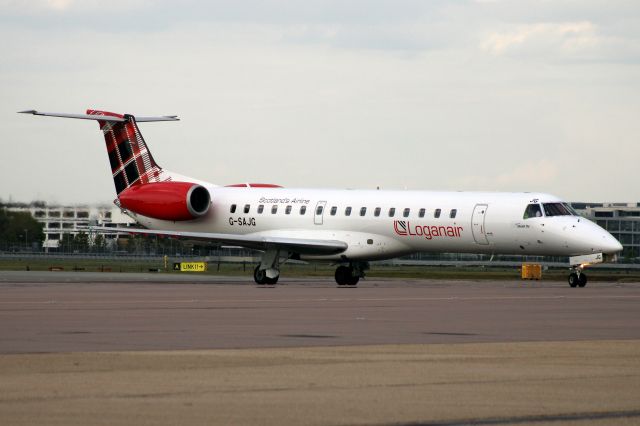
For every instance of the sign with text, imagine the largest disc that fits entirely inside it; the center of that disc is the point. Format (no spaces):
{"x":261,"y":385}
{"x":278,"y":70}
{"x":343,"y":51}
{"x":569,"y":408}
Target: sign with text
{"x":190,"y":266}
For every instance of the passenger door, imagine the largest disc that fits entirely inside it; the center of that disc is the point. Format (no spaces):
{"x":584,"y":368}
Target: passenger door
{"x":477,"y":224}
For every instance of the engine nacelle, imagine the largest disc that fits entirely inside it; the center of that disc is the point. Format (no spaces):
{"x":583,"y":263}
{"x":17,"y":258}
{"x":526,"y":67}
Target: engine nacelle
{"x":167,"y":200}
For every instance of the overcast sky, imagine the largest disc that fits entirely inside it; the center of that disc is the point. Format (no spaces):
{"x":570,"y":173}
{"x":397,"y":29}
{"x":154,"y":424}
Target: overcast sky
{"x":444,"y":95}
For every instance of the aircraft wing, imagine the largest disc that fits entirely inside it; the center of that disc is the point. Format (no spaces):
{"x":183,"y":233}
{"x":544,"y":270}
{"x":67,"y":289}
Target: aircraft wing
{"x":257,"y":242}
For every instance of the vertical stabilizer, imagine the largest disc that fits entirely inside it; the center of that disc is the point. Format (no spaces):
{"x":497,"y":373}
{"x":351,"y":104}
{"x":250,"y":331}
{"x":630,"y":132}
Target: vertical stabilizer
{"x":130,"y":159}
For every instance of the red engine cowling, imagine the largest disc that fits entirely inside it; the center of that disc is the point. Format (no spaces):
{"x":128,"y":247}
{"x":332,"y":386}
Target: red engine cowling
{"x":167,"y":200}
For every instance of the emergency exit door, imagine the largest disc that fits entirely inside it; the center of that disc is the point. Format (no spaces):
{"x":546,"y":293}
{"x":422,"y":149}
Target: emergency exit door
{"x":478,"y":228}
{"x":319,"y":213}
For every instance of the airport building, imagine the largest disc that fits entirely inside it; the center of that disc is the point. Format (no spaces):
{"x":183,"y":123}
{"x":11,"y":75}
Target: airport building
{"x":622,"y":220}
{"x":70,"y":219}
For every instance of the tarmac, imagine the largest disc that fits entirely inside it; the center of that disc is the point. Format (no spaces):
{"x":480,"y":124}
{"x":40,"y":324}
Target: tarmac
{"x":93,"y":348}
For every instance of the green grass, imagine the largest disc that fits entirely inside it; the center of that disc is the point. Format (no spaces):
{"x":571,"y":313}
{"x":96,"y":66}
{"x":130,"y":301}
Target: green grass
{"x":79,"y":265}
{"x":312,"y":270}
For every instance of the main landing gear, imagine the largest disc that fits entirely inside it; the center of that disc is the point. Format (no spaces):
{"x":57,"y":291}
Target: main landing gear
{"x":261,"y":278}
{"x":268,"y":271}
{"x":350,"y":275}
{"x":577,"y":278}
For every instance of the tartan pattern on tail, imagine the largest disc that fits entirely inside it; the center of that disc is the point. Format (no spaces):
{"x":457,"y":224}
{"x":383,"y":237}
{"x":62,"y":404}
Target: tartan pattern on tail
{"x":130,"y":159}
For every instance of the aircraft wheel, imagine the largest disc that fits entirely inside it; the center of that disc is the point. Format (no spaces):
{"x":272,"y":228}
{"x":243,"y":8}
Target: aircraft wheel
{"x":582,"y":280}
{"x":343,"y":274}
{"x":260,"y":276}
{"x":271,"y":280}
{"x":353,"y":280}
{"x":573,"y":279}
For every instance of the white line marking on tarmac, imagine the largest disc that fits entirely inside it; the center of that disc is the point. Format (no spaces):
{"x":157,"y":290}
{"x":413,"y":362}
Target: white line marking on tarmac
{"x":365,"y":299}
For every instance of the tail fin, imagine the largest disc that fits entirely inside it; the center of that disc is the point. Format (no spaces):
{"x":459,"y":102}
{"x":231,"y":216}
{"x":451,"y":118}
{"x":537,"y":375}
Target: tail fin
{"x":130,"y":158}
{"x":131,"y":162}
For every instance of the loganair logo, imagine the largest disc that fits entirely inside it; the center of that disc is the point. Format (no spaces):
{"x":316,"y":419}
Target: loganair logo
{"x":405,"y":229}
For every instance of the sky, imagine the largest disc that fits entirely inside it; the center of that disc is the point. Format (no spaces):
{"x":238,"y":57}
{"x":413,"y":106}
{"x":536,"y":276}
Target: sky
{"x":406,"y":94}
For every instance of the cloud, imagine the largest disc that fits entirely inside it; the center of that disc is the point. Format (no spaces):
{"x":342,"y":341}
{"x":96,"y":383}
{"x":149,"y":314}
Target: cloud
{"x":531,"y":175}
{"x":424,"y":95}
{"x":59,"y":4}
{"x":567,"y":36}
{"x":565,"y":42}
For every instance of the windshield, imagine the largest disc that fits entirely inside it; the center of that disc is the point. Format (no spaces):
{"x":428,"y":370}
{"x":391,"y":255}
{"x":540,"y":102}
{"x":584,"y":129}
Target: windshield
{"x":556,"y":209}
{"x":532,"y":210}
{"x":571,"y":209}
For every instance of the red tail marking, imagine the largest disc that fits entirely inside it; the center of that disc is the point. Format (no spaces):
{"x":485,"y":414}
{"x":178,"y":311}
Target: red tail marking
{"x":130,"y":159}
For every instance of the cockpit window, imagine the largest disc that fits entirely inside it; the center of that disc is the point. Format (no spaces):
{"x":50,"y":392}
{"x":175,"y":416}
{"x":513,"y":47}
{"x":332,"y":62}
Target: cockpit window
{"x":571,"y":210}
{"x":555,"y":209}
{"x":533,"y":210}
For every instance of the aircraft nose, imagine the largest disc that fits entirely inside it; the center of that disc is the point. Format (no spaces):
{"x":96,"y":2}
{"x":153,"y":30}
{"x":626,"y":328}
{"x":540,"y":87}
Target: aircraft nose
{"x":605,"y":241}
{"x":610,"y":245}
{"x":588,"y":237}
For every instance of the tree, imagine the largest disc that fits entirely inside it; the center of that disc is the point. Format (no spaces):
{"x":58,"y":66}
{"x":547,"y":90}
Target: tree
{"x":19,"y":228}
{"x":66,"y":242}
{"x":81,"y":241}
{"x":135,"y":244}
{"x":99,"y":243}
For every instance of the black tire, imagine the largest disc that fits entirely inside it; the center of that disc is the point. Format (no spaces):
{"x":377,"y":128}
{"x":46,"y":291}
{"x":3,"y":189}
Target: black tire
{"x":573,"y":279}
{"x":260,"y":276}
{"x":582,"y":280}
{"x":343,"y":274}
{"x":353,"y":280}
{"x":271,"y":281}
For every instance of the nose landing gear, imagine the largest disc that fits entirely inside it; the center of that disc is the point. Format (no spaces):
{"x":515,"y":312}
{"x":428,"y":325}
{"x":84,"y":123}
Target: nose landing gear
{"x":577,"y":278}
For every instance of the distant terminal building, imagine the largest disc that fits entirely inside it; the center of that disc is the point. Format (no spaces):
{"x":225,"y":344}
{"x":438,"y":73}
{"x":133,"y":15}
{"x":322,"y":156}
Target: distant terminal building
{"x":622,"y":220}
{"x":69,"y":219}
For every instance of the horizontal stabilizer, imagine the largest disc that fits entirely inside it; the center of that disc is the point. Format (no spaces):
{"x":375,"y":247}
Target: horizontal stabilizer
{"x":100,"y":117}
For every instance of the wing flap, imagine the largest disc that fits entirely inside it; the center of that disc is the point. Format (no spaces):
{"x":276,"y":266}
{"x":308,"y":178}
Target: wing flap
{"x":257,"y":242}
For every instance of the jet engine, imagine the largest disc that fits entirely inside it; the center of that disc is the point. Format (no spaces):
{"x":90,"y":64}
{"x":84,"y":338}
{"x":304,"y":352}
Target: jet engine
{"x":174,"y":201}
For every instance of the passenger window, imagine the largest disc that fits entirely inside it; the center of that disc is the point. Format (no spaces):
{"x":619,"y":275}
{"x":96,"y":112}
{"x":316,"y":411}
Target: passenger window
{"x":274,"y":209}
{"x":422,"y":212}
{"x":436,"y":214}
{"x":363,"y":211}
{"x":532,"y":210}
{"x":319,"y":210}
{"x":260,"y":209}
{"x":347,"y":211}
{"x":287,"y":210}
{"x":406,"y":212}
{"x":247,"y":207}
{"x":303,"y":209}
{"x":334,"y":210}
{"x":392,"y":212}
{"x":453,"y":213}
{"x":233,"y":208}
{"x":376,"y":212}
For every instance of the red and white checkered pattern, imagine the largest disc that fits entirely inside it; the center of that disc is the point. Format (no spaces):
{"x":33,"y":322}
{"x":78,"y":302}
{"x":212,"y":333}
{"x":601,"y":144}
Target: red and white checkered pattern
{"x":123,"y":139}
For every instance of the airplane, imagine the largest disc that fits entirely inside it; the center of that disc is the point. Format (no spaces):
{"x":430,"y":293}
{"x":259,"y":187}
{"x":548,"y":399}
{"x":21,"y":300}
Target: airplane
{"x":348,"y":228}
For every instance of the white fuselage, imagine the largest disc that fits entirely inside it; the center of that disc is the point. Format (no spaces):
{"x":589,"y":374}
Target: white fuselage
{"x":352,"y":225}
{"x":469,"y":222}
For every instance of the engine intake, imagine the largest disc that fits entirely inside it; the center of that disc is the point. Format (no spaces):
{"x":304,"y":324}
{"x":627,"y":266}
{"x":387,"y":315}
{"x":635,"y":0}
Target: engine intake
{"x":175,"y":201}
